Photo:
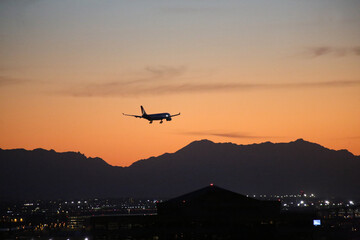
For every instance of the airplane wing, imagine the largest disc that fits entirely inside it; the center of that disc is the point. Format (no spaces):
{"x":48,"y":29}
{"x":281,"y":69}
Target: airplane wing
{"x":137,"y":116}
{"x":175,"y":115}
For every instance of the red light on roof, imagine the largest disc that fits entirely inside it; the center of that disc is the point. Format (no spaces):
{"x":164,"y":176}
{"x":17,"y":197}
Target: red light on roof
{"x":211,"y":184}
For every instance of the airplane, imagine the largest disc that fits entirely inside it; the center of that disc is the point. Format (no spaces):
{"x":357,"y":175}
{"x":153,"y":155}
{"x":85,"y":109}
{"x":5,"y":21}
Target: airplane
{"x":153,"y":117}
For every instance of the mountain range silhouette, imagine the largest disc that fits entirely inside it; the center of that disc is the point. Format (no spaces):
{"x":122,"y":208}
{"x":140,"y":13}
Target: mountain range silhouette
{"x":265,"y":168}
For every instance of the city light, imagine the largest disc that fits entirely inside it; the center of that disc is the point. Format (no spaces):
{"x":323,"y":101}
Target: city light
{"x":316,"y":222}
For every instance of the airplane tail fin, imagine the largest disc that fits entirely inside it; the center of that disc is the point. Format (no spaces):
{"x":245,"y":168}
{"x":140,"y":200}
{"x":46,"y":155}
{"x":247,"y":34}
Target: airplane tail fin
{"x":143,"y":111}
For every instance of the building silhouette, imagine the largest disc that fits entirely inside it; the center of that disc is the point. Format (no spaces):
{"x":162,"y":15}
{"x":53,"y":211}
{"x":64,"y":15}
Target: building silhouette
{"x":208,"y":213}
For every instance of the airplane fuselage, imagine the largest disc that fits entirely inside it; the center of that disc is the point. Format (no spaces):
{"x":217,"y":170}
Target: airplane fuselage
{"x":157,"y":116}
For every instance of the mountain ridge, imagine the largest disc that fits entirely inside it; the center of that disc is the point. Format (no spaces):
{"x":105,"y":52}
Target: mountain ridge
{"x":193,"y":142}
{"x":255,"y":168}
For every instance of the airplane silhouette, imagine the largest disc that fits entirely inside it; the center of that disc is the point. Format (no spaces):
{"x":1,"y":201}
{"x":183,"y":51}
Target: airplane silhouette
{"x":153,"y":117}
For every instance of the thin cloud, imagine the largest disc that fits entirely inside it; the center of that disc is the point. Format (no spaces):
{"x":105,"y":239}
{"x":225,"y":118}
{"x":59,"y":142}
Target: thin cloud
{"x":356,"y":50}
{"x":6,"y":81}
{"x":165,"y":71}
{"x":223,"y":134}
{"x":332,"y":51}
{"x":126,"y":90}
{"x":155,"y":74}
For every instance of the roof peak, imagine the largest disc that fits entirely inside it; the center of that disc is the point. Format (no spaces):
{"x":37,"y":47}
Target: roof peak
{"x":211,"y":189}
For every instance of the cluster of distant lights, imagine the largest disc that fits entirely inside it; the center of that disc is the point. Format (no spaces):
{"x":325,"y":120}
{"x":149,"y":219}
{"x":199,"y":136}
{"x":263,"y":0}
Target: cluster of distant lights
{"x":327,"y":203}
{"x":302,"y":203}
{"x":284,"y":196}
{"x":18,"y":212}
{"x":67,"y":238}
{"x":93,"y":206}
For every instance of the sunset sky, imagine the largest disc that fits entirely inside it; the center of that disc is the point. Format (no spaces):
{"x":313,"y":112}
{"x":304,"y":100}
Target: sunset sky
{"x":238,"y":71}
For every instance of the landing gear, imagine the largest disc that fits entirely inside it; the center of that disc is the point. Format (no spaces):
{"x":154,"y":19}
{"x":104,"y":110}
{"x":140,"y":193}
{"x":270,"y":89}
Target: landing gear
{"x":161,"y":121}
{"x":150,"y":122}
